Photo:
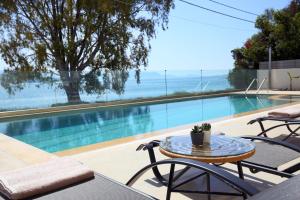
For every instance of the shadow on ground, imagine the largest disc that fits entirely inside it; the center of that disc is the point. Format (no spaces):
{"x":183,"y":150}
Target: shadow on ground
{"x":200,"y":184}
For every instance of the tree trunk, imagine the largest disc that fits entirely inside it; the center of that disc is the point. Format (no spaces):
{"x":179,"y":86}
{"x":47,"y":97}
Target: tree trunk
{"x":73,"y":94}
{"x":71,"y":81}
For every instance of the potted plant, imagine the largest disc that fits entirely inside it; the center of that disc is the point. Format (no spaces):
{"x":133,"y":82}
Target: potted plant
{"x":206,"y":127}
{"x":197,"y":136}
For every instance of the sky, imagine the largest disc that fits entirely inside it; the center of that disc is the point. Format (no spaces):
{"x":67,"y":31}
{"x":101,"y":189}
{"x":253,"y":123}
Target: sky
{"x":198,"y":39}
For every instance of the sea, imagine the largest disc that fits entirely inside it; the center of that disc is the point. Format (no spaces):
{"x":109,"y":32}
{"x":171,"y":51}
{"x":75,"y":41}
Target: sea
{"x":152,"y":84}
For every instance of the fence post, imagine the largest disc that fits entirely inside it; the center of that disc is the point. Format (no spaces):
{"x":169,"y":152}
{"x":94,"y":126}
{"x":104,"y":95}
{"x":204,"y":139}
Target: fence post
{"x":201,"y":83}
{"x":166,"y":83}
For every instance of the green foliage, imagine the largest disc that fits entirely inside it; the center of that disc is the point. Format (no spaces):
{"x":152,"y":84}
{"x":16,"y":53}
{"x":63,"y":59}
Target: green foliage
{"x":279,"y":29}
{"x":241,"y":78}
{"x":197,"y":130}
{"x":89,"y":44}
{"x":206,"y":126}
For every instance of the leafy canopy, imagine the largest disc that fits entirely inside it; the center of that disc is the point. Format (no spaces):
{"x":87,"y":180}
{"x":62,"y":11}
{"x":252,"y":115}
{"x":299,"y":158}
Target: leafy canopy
{"x":78,"y":41}
{"x":279,"y":29}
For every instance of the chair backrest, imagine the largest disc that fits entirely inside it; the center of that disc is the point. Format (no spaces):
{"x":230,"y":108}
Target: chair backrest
{"x":287,"y":190}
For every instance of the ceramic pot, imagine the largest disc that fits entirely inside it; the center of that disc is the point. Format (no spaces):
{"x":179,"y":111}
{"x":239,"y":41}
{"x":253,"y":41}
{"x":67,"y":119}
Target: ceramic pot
{"x":207,"y":135}
{"x":197,"y":139}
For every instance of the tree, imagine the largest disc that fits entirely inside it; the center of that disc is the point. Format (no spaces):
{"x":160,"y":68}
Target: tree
{"x":278,"y":29}
{"x":78,"y":41}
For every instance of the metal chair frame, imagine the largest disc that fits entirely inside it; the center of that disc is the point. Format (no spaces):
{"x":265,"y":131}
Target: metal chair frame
{"x":188,"y":163}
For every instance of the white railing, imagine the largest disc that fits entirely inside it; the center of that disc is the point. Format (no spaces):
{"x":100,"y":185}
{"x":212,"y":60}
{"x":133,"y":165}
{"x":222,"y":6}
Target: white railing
{"x":248,"y":88}
{"x":261,"y":84}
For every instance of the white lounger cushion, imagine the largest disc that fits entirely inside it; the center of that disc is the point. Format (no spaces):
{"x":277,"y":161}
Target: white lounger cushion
{"x":41,"y":178}
{"x":288,"y":112}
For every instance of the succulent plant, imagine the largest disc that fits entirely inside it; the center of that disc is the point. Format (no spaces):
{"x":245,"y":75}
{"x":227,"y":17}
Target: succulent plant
{"x":197,"y":129}
{"x":206,"y":126}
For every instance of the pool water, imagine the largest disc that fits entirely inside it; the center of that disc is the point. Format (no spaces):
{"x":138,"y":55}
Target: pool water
{"x":62,"y":132}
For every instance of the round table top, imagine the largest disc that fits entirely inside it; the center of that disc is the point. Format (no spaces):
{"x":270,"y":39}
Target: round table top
{"x":221,"y":149}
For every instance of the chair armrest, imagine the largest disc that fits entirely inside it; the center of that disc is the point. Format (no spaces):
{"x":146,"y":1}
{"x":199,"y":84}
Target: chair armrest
{"x":279,"y":119}
{"x":147,"y":146}
{"x":254,"y":120}
{"x":274,"y":141}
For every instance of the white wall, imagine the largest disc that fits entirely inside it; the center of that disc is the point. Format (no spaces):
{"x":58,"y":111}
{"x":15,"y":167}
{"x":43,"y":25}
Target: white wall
{"x":280,"y":78}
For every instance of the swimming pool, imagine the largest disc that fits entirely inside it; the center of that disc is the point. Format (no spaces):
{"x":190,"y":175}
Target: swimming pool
{"x":62,"y":132}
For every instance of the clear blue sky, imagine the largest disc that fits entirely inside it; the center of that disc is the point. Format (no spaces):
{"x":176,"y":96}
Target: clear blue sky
{"x":190,"y":45}
{"x":196,"y":44}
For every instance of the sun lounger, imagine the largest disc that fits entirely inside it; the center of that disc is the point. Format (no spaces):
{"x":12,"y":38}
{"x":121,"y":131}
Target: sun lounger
{"x":273,"y":156}
{"x":288,"y":117}
{"x":100,"y":187}
{"x":63,"y":179}
{"x":288,"y":112}
{"x":287,"y":190}
{"x":42,"y":177}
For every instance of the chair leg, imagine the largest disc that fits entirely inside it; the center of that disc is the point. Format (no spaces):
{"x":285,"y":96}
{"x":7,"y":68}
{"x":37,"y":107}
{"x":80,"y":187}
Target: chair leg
{"x":155,"y":170}
{"x":170,"y":182}
{"x":240,"y":169}
{"x":208,"y":186}
{"x":241,"y":175}
{"x":292,"y":132}
{"x":262,"y":128}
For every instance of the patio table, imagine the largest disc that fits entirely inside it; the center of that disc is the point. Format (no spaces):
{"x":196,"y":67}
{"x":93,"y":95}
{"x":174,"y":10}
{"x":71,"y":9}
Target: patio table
{"x":222,"y":149}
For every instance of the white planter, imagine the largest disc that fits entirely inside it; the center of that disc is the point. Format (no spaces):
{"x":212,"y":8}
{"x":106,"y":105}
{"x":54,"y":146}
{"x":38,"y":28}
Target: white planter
{"x":207,"y":135}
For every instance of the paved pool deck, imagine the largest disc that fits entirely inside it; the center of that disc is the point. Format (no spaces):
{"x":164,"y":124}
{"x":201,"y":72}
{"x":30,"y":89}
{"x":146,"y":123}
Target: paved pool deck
{"x":120,"y":160}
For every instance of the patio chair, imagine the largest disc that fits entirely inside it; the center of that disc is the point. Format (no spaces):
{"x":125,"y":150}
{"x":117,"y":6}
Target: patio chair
{"x":287,"y":190}
{"x":287,"y":117}
{"x":100,"y":187}
{"x":271,"y":155}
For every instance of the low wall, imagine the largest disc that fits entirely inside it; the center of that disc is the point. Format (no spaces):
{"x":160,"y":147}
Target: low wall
{"x":279,"y":78}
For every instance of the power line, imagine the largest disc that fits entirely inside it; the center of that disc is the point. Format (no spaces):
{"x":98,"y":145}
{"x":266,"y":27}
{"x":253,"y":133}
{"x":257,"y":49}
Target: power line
{"x":208,"y":24}
{"x":235,"y":8}
{"x":217,"y":12}
{"x":195,"y":21}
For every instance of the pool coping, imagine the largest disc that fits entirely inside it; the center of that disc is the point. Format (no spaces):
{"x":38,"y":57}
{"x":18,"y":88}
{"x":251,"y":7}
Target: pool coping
{"x":115,"y":142}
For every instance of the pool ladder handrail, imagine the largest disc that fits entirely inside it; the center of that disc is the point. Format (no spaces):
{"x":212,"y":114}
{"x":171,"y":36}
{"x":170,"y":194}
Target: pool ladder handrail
{"x":261,"y":84}
{"x":248,"y":88}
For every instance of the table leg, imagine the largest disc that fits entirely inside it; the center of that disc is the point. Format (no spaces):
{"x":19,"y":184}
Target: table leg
{"x":240,"y":169}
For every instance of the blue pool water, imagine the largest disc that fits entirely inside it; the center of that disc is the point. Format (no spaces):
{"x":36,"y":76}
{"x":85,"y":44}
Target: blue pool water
{"x":62,"y":132}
